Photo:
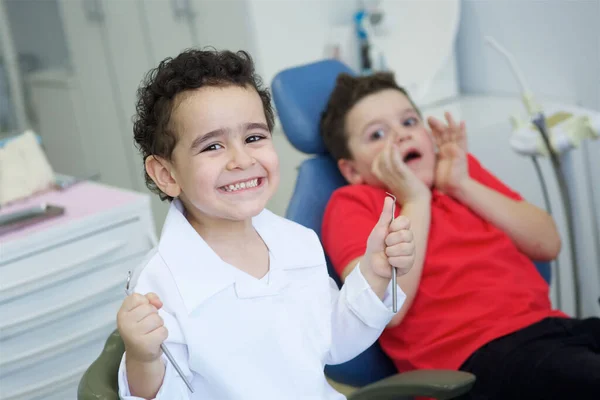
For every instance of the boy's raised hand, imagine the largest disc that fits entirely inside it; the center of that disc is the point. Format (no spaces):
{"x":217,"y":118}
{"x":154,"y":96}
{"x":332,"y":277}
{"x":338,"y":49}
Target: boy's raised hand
{"x":389,"y":245}
{"x":389,"y":168}
{"x":452,"y":166}
{"x":141,"y":328}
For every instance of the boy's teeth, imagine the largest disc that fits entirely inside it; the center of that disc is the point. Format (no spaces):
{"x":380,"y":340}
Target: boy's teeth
{"x":242,"y":185}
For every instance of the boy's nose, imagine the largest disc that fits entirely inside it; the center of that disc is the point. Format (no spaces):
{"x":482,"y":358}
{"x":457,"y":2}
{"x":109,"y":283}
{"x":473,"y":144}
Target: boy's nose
{"x":400,"y":135}
{"x":240,"y":159}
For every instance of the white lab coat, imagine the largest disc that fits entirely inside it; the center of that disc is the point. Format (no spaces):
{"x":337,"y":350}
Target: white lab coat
{"x":237,"y":337}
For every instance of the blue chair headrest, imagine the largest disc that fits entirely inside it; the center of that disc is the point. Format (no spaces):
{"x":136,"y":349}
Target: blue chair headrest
{"x":300,"y":95}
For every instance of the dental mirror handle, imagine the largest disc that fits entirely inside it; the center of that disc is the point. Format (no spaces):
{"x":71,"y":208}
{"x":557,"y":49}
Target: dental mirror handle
{"x":394,"y":278}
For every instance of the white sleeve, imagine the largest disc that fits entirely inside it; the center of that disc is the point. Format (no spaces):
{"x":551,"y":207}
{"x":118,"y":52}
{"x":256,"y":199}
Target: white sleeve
{"x":358,"y":316}
{"x":172,"y":388}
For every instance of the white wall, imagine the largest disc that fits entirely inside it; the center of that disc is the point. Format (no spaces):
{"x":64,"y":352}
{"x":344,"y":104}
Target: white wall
{"x":556,"y":42}
{"x":557,"y":46}
{"x":293,"y":32}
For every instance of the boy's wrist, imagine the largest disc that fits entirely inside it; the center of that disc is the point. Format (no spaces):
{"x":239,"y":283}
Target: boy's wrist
{"x":423,"y":199}
{"x":461,"y":191}
{"x":377,"y":282}
{"x":145,"y":377}
{"x":132,"y":360}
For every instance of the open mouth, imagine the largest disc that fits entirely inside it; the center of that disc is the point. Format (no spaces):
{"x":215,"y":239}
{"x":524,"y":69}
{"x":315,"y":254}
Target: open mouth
{"x":411,"y":155}
{"x":242,"y":185}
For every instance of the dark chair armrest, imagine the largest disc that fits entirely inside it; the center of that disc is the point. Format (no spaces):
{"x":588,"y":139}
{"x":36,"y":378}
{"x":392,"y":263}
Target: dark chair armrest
{"x":439,"y":384}
{"x":99,"y":382}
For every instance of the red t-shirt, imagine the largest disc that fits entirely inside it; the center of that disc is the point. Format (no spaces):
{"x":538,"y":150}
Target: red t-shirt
{"x":476,"y":285}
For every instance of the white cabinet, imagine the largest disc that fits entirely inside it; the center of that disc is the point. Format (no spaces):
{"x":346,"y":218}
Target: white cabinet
{"x":61,"y":284}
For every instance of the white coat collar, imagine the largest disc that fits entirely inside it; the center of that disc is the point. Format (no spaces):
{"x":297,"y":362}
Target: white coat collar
{"x":199,"y":272}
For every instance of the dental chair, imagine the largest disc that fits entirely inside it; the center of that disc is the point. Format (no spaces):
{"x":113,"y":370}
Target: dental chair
{"x":300,"y":95}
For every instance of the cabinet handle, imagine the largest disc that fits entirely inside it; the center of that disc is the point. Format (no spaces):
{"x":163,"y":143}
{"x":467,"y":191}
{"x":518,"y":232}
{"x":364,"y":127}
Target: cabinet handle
{"x":93,"y":10}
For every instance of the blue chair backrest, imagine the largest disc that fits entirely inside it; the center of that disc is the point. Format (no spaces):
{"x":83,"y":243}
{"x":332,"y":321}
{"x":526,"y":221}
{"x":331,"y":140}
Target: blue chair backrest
{"x":300,"y":95}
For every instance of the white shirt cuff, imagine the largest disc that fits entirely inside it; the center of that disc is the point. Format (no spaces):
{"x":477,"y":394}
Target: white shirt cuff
{"x":367,"y":306}
{"x":170,"y":389}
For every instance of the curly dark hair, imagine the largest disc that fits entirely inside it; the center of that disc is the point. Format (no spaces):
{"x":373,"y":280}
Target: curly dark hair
{"x":348,"y":91}
{"x":153,"y":131}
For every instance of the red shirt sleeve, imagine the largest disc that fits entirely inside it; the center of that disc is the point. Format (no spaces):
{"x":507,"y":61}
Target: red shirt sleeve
{"x":483,"y":176}
{"x":349,"y":218}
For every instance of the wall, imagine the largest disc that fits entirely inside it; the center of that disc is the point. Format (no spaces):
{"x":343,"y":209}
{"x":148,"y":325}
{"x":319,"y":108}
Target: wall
{"x":556,"y":43}
{"x":557,"y":46}
{"x":292,"y":32}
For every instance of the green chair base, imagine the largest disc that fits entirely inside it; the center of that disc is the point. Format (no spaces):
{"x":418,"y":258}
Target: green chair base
{"x":437,"y":384}
{"x":99,"y":382}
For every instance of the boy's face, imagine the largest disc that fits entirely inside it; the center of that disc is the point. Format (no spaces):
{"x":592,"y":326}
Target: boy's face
{"x":224,"y":165}
{"x":377,"y":118}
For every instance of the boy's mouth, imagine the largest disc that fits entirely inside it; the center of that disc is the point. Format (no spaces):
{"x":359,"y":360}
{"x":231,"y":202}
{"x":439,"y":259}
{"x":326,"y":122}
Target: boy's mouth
{"x":242,"y":185}
{"x":411,"y":155}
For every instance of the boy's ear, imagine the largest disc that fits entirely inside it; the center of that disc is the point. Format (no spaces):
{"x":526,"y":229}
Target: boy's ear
{"x":159,"y":170}
{"x":349,"y":171}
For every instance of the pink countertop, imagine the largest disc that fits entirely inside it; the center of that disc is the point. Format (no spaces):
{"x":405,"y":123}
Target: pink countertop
{"x":80,"y":200}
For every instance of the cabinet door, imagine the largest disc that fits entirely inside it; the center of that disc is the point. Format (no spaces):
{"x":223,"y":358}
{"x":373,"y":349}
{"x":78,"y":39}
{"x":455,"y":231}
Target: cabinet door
{"x":131,"y":51}
{"x":130,"y":59}
{"x":103,"y":136}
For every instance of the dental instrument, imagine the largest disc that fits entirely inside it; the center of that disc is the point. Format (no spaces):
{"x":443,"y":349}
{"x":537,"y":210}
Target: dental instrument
{"x":170,"y":357}
{"x":394,"y":278}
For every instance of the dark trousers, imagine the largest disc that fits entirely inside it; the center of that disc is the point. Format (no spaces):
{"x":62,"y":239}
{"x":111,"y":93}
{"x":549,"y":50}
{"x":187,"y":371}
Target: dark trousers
{"x":555,"y":358}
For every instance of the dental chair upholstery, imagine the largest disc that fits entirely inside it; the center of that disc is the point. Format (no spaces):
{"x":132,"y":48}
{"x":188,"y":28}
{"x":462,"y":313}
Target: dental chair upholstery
{"x":300,"y":95}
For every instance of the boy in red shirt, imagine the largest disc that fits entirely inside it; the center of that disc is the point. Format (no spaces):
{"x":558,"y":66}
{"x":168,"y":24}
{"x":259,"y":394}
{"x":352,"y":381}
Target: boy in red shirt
{"x":475,"y":300}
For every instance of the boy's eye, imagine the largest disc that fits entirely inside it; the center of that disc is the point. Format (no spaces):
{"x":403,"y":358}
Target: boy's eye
{"x":412,"y":121}
{"x":378,"y":134}
{"x":254,"y":138}
{"x":212,"y":147}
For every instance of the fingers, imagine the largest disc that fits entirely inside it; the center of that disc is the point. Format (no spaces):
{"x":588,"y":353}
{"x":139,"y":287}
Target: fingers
{"x":386,"y":213}
{"x":403,"y":236}
{"x":446,"y":132}
{"x":379,"y":168}
{"x":400,"y":250}
{"x":437,"y":129}
{"x":462,"y":136}
{"x":388,"y":163}
{"x":154,"y":300}
{"x":400,"y":223}
{"x":400,"y":243}
{"x":132,"y":301}
{"x":398,"y":163}
{"x":402,"y":264}
{"x":159,"y":335}
{"x":462,"y":130}
{"x":149,"y":323}
{"x":452,"y":127}
{"x":141,"y":312}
